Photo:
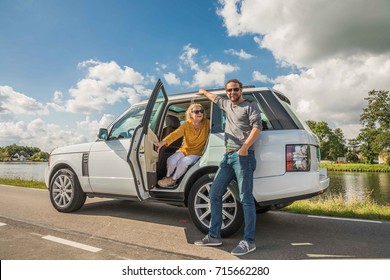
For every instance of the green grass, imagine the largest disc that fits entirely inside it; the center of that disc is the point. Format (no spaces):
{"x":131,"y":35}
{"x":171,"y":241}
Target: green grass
{"x":23,"y":183}
{"x":356,"y":167}
{"x":337,"y":206}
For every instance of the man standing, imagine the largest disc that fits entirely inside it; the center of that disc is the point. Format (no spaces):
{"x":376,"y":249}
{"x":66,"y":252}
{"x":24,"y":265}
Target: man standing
{"x":243,"y":126}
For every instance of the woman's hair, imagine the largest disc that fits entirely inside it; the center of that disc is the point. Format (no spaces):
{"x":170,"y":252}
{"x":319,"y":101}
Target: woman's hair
{"x":190,"y":108}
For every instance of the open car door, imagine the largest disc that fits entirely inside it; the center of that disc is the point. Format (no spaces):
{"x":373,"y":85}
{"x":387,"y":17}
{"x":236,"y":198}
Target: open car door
{"x":143,"y":154}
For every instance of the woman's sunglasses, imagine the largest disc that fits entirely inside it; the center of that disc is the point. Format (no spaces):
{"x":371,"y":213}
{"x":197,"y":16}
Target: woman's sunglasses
{"x":198,"y":111}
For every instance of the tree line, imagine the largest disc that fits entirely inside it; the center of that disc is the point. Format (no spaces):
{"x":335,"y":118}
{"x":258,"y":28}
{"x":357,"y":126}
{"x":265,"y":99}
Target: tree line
{"x":16,"y":152}
{"x":374,"y":137}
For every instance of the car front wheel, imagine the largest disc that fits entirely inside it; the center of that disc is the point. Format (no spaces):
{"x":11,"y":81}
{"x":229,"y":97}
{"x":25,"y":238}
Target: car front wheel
{"x":199,"y":207}
{"x":66,"y":194}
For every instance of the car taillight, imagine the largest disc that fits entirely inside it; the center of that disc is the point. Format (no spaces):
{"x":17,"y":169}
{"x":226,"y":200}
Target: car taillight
{"x":297,"y":158}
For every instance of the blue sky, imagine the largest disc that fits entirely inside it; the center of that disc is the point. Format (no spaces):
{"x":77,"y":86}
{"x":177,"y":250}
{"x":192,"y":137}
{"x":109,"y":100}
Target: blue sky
{"x":70,"y":67}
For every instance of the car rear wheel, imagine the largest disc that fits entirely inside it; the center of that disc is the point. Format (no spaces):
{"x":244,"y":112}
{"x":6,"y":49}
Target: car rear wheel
{"x":66,"y":194}
{"x":199,"y":207}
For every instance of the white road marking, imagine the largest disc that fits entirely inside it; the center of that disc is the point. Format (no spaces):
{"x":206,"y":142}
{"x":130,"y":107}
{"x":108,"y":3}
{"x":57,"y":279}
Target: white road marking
{"x":345,"y":219}
{"x":72,"y":243}
{"x":2,"y":224}
{"x":328,"y":256}
{"x":301,"y":244}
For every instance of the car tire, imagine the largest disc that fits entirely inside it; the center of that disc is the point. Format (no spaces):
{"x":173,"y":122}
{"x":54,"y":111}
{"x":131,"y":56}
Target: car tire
{"x":65,"y":191}
{"x":199,"y":207}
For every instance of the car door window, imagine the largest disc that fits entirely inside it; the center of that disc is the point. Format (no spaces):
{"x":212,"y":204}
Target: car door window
{"x":156,"y":112}
{"x":124,"y":128}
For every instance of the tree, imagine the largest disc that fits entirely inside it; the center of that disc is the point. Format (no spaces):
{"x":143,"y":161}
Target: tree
{"x":375,"y":119}
{"x":3,"y":154}
{"x":40,"y":156}
{"x":337,"y":144}
{"x":332,"y":142}
{"x":33,"y":153}
{"x":353,"y":150}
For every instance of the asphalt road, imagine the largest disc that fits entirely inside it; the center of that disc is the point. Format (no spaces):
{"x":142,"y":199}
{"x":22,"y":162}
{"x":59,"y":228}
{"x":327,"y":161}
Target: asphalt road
{"x":31,"y":229}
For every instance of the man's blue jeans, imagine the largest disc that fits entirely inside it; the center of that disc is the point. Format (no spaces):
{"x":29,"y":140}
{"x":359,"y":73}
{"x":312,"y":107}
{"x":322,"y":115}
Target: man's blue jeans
{"x":241,"y":167}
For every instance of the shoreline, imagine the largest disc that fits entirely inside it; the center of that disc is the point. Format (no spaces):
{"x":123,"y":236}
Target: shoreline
{"x":356,"y":167}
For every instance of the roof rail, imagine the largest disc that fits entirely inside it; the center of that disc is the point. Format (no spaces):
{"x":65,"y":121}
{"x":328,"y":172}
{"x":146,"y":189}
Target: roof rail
{"x":218,"y":89}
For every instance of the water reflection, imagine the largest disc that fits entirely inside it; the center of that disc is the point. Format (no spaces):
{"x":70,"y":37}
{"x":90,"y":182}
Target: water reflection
{"x":23,"y":170}
{"x":359,"y":186}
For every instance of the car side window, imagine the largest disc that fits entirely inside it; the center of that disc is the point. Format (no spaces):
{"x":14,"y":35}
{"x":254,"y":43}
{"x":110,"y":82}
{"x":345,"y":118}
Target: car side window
{"x":219,"y":116}
{"x":126,"y":125}
{"x":264,"y":119}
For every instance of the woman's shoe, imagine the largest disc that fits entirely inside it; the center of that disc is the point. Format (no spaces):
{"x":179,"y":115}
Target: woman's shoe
{"x":166,"y":182}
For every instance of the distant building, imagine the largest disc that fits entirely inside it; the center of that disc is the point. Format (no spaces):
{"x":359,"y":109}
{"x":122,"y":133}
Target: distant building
{"x":341,"y":160}
{"x":17,"y":157}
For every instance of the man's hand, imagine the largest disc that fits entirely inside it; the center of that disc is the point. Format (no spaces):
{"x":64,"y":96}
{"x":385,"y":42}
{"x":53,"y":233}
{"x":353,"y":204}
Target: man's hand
{"x":208,"y":94}
{"x":243,"y":151}
{"x":202,"y":92}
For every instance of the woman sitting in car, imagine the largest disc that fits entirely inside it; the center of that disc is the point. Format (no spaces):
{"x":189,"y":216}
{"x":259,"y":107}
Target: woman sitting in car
{"x":195,"y":131}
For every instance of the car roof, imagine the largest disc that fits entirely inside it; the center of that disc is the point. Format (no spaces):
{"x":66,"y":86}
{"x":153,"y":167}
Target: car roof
{"x":220,"y":91}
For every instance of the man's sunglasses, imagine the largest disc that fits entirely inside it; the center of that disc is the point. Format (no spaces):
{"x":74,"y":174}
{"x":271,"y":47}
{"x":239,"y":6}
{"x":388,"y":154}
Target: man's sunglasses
{"x":232,"y":89}
{"x":197,"y":111}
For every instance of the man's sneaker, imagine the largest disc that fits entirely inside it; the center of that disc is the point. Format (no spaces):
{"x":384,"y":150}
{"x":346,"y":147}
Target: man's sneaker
{"x":243,"y":248}
{"x":208,"y":241}
{"x":166,"y":182}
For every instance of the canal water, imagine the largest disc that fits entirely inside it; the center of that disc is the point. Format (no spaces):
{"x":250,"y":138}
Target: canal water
{"x":34,"y":171}
{"x":361,"y":185}
{"x":351,"y":185}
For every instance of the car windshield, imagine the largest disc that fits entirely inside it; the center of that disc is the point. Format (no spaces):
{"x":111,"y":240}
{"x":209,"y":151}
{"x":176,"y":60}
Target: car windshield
{"x":125,"y":127}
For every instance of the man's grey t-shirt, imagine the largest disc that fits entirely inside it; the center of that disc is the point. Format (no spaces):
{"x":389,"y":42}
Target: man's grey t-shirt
{"x":240,"y":119}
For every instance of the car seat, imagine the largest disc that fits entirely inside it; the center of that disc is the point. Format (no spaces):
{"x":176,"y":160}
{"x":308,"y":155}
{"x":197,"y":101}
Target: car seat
{"x":172,"y":123}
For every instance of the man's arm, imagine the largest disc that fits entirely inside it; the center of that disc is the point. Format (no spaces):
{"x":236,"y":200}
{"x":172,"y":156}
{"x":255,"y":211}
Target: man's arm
{"x":253,"y":135}
{"x":208,"y":94}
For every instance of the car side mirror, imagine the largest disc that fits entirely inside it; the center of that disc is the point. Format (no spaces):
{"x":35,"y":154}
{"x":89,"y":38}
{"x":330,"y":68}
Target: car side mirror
{"x":103,"y":134}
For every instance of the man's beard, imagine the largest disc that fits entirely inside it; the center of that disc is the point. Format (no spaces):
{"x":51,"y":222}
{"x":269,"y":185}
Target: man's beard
{"x":235,"y":98}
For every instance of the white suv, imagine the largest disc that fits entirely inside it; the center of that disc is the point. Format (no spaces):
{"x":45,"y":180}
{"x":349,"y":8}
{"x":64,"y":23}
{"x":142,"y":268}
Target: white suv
{"x":124,"y":163}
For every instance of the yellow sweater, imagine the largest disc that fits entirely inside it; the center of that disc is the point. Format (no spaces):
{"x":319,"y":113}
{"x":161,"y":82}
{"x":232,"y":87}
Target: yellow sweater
{"x":193,"y":140}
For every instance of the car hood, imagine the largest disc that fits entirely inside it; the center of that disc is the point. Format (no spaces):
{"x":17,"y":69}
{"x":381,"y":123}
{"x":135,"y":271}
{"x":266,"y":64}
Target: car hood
{"x":78,"y":148}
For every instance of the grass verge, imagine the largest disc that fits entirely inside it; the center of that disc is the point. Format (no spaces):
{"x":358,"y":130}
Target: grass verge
{"x":337,"y":206}
{"x":23,"y":183}
{"x":356,"y":167}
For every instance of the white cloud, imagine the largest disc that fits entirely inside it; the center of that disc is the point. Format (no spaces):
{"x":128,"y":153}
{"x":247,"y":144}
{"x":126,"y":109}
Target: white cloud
{"x":105,"y":83}
{"x":160,"y":67}
{"x":46,"y":136}
{"x":110,"y":73}
{"x":91,"y":128}
{"x":340,"y":51}
{"x":241,"y":54}
{"x":214,"y":74}
{"x":14,"y":103}
{"x":172,"y":79}
{"x":205,"y":74}
{"x":188,"y":57}
{"x":306,"y":31}
{"x":334,"y":90}
{"x":57,"y":97}
{"x":38,"y":133}
{"x":11,"y":132}
{"x":257,"y":76}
